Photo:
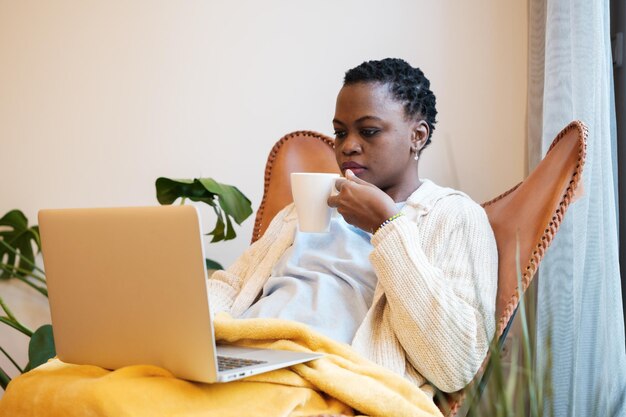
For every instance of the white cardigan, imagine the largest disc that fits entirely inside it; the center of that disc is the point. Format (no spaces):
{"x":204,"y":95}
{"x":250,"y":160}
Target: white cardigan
{"x":433,"y":313}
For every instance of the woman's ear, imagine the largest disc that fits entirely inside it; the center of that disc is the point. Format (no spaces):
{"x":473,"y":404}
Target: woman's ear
{"x":421,"y":131}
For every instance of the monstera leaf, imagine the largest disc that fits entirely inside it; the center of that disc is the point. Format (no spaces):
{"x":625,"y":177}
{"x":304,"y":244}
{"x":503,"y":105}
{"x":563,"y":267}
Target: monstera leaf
{"x":17,"y":241}
{"x":19,"y":244}
{"x":41,"y":347}
{"x":226,"y":200}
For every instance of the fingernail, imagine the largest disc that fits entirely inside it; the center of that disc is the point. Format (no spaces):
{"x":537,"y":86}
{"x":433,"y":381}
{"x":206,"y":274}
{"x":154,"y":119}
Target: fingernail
{"x":349,"y":172}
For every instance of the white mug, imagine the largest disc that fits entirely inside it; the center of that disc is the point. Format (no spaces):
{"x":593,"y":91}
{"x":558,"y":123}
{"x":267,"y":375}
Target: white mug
{"x":310,"y":191}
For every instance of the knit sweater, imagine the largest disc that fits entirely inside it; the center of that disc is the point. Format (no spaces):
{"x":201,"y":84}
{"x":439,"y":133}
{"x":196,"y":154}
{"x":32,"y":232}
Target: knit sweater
{"x":433,"y":312}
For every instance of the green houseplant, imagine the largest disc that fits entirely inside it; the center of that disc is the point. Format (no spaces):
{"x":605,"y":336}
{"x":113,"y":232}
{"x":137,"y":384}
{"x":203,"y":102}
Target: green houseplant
{"x":228,"y":203}
{"x":514,"y":388}
{"x":21,"y":243}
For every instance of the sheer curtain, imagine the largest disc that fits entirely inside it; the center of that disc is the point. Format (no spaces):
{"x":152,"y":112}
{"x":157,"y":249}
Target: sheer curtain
{"x":579,"y":314}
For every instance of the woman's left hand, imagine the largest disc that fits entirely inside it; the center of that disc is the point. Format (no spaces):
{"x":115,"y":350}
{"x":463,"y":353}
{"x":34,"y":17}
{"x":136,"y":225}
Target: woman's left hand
{"x":362,"y":204}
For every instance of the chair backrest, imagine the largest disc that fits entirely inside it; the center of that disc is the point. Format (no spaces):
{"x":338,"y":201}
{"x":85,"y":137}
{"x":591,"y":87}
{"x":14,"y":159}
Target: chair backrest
{"x":301,"y":151}
{"x":527,"y":215}
{"x":525,"y":220}
{"x":530,"y":214}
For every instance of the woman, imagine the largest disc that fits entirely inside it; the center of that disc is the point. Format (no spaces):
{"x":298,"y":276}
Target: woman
{"x":408,"y":273}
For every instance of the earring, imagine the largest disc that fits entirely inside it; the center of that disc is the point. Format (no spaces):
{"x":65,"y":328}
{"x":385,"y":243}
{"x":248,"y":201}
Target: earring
{"x":416,"y":157}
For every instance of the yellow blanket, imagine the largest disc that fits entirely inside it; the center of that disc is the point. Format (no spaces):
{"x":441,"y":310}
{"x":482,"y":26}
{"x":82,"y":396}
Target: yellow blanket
{"x":339,"y":383}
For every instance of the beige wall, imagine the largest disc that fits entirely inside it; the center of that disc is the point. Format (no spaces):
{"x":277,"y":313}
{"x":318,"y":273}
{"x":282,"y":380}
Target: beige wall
{"x":98,"y":99}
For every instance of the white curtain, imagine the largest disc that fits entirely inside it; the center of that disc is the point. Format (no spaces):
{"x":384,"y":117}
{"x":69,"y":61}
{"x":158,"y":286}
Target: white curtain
{"x":579,"y":312}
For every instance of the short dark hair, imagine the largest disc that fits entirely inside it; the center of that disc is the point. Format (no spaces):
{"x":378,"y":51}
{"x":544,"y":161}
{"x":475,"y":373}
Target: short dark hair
{"x":408,"y":85}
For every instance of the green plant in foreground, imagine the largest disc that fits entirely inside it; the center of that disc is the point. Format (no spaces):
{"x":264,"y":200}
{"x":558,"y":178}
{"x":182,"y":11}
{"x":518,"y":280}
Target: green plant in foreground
{"x":510,"y":389}
{"x":228,"y":203}
{"x":19,"y":244}
{"x":515,"y":388}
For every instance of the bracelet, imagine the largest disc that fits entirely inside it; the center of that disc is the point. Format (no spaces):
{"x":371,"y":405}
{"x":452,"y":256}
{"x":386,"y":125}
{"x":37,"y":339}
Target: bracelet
{"x":389,"y":220}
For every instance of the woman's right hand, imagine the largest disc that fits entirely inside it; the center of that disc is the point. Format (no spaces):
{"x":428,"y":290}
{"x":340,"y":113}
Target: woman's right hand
{"x":361,"y":204}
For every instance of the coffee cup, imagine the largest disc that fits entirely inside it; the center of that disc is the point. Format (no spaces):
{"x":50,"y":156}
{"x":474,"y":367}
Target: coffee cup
{"x":310,"y":191}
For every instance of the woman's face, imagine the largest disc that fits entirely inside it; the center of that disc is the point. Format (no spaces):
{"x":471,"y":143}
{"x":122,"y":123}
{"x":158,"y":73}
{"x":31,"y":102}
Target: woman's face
{"x":375,"y":140}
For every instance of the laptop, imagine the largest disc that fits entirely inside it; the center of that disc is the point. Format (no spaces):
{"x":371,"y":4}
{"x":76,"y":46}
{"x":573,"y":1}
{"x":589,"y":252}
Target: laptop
{"x":128,"y":286}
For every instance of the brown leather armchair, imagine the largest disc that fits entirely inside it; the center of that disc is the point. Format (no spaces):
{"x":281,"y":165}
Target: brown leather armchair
{"x":529,"y":213}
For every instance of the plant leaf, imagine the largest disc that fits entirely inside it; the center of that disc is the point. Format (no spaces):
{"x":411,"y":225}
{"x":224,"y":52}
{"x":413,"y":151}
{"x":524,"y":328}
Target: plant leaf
{"x":227,"y":201}
{"x":169,"y":190}
{"x":4,"y":379}
{"x":15,"y":232}
{"x":220,"y":226}
{"x":233,"y":202}
{"x":211,"y":264}
{"x":41,"y":347}
{"x":230,"y":230}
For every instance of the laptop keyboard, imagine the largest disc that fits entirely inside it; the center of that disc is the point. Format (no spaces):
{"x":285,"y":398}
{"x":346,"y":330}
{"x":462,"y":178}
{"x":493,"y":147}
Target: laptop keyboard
{"x":225,"y":363}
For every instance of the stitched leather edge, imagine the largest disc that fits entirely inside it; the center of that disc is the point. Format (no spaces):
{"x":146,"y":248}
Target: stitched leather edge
{"x":256,"y":232}
{"x":530,"y":268}
{"x":544,"y":242}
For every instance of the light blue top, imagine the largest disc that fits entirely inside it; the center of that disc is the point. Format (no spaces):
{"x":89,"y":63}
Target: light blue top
{"x":324,"y":280}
